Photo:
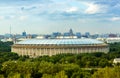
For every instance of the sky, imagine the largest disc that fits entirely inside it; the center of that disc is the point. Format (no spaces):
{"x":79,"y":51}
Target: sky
{"x":47,"y":16}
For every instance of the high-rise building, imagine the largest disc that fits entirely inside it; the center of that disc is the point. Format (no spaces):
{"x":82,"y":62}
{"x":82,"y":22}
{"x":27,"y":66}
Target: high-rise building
{"x":24,"y":34}
{"x":66,"y":34}
{"x":87,"y":34}
{"x":78,"y":34}
{"x":55,"y":34}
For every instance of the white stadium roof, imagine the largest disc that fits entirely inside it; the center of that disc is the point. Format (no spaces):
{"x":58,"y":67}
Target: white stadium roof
{"x":61,"y":41}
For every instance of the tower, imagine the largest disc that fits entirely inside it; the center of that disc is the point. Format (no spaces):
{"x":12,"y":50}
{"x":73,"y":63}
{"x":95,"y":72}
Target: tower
{"x":10,"y":34}
{"x":10,"y":30}
{"x":71,"y":32}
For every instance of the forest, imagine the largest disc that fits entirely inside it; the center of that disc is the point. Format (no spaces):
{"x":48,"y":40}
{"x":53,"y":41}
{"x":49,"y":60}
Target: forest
{"x":86,"y":65}
{"x":5,"y":46}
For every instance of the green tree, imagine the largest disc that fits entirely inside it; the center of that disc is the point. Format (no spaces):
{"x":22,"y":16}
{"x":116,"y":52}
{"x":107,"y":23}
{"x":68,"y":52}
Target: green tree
{"x":70,"y":69}
{"x":61,"y":74}
{"x":1,"y":76}
{"x":103,"y":63}
{"x":14,"y":75}
{"x":107,"y":73}
{"x":81,"y":74}
{"x":5,"y":46}
{"x":47,"y":76}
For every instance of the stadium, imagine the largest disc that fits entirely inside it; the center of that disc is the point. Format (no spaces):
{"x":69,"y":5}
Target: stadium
{"x":41,"y":47}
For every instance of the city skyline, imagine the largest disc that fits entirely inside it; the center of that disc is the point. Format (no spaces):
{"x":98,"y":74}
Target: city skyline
{"x":46,"y":16}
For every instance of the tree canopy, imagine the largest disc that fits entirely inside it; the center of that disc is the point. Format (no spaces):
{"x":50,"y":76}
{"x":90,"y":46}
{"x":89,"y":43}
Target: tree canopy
{"x":85,"y":65}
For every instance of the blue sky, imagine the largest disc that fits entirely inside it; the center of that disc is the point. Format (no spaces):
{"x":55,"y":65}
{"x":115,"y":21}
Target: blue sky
{"x":47,"y":16}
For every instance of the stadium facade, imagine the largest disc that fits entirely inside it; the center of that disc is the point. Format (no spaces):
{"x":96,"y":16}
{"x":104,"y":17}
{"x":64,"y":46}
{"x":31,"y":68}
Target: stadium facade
{"x":41,"y":47}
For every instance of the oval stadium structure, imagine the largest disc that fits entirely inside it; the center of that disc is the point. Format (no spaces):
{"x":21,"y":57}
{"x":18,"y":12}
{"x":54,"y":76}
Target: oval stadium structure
{"x":40,"y":47}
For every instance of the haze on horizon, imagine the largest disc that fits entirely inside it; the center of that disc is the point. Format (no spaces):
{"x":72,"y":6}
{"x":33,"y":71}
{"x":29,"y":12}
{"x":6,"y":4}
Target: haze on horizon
{"x":47,"y":16}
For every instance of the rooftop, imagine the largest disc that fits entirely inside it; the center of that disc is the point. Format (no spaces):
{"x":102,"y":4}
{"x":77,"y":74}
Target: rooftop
{"x":61,"y":41}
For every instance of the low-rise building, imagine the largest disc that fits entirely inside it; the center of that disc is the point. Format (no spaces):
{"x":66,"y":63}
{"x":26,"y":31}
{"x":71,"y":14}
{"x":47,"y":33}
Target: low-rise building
{"x":116,"y":60}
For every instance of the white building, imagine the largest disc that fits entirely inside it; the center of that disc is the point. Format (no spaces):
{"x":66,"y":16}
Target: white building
{"x":116,"y":60}
{"x":109,"y":40}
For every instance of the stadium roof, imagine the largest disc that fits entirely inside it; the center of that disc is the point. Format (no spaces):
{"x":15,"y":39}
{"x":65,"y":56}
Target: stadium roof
{"x":61,"y":41}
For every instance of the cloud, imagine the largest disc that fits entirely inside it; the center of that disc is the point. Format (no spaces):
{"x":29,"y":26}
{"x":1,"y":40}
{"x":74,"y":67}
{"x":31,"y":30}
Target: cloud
{"x":61,"y":9}
{"x":28,"y":8}
{"x":115,"y":19}
{"x":82,"y":21}
{"x":117,"y":5}
{"x":11,"y":16}
{"x":23,"y":2}
{"x":22,"y":18}
{"x":110,"y":3}
{"x":94,"y":8}
{"x":72,"y":9}
{"x":2,"y":17}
